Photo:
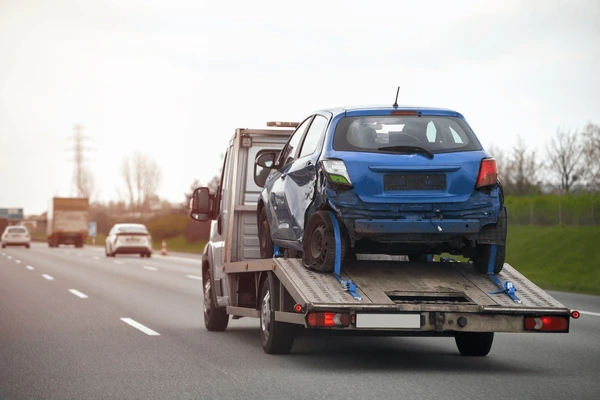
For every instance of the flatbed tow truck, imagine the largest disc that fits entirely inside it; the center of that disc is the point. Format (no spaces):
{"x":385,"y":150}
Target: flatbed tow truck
{"x":372,"y":295}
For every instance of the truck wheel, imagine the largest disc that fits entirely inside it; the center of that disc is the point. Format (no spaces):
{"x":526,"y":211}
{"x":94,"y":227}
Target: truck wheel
{"x":483,"y":252}
{"x":277,"y":337}
{"x":215,"y":318}
{"x":319,"y":243}
{"x":476,"y":344}
{"x":264,"y":236}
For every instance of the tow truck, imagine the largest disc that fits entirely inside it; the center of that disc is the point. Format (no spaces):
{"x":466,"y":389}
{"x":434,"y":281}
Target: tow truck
{"x":370,"y":295}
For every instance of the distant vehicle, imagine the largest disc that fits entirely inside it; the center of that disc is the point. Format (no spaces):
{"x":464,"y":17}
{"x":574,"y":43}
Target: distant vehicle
{"x":128,"y":239}
{"x":67,"y":221}
{"x":398,"y":181}
{"x":16,"y":236}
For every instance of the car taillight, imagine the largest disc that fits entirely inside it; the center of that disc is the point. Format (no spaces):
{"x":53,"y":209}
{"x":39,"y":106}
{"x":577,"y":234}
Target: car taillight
{"x":336,"y":172}
{"x":488,"y":173}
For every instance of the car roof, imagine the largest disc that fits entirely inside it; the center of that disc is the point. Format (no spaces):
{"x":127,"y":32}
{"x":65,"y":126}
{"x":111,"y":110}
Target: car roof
{"x":365,"y":108}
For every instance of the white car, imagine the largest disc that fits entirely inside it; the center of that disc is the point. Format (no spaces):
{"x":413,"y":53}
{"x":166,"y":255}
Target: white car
{"x":128,"y":239}
{"x":16,"y":236}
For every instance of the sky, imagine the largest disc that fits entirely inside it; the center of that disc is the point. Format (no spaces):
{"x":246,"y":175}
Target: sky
{"x":174,"y":79}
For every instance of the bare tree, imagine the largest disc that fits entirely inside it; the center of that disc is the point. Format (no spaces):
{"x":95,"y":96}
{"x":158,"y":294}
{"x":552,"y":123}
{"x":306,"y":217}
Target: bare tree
{"x":591,"y":153}
{"x":525,"y":168}
{"x":142,"y":178}
{"x":565,"y":153}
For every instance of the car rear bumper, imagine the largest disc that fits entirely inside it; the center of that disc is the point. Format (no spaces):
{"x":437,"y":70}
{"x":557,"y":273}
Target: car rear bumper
{"x":132,"y":250}
{"x":9,"y":242}
{"x":390,"y":226}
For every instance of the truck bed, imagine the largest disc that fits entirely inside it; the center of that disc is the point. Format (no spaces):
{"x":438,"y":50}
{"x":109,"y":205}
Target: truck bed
{"x":407,"y":286}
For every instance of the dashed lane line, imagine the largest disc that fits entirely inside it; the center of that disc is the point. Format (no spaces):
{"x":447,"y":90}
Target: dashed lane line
{"x":78,"y":293}
{"x":48,"y":277}
{"x":141,"y":327}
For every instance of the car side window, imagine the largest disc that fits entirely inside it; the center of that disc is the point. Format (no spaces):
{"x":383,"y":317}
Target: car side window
{"x":288,"y":154}
{"x":313,"y":136}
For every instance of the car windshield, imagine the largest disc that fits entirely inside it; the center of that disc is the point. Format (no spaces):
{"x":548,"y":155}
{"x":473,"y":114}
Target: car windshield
{"x":17,"y":230}
{"x":390,"y":133}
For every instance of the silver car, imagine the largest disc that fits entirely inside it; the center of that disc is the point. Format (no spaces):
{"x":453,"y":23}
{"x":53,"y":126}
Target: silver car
{"x":128,"y":239}
{"x":16,"y":236}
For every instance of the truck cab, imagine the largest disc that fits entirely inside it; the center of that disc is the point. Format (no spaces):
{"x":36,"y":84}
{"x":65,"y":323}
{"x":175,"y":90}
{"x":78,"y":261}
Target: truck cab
{"x":234,"y":233}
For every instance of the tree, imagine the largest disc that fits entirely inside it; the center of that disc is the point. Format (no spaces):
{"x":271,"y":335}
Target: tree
{"x":591,"y":154}
{"x":524,"y":170}
{"x":565,"y":153}
{"x":142,"y":178}
{"x":188,"y":195}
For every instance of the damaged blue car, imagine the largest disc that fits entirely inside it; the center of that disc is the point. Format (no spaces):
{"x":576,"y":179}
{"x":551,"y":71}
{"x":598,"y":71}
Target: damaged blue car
{"x":396,"y":180}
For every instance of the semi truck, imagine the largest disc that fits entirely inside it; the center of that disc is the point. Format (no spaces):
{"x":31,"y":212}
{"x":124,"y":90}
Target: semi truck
{"x":368,"y":295}
{"x":67,"y":221}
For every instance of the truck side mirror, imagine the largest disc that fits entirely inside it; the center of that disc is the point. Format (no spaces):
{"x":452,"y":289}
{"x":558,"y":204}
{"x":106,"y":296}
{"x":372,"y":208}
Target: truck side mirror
{"x":201,"y":204}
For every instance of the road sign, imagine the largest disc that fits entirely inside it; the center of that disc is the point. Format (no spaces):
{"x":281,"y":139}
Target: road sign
{"x":11,"y":213}
{"x":92,"y":229}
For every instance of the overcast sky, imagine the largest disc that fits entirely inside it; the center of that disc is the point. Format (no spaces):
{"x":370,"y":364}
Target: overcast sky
{"x":173,"y":79}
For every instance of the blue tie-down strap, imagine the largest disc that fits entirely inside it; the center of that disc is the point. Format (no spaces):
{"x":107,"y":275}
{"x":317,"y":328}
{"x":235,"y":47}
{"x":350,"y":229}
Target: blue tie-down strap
{"x":506,"y":287}
{"x":348,"y":285}
{"x":276,"y":251}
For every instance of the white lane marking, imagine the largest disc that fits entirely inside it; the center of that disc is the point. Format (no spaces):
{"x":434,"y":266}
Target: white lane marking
{"x":194,"y":277}
{"x":150,"y":268}
{"x":18,"y":261}
{"x":78,"y":293}
{"x":4,"y":254}
{"x":9,"y":257}
{"x":48,"y":277}
{"x":139,"y":326}
{"x":118,"y":262}
{"x":29,"y":267}
{"x":96,"y":258}
{"x":590,"y":313}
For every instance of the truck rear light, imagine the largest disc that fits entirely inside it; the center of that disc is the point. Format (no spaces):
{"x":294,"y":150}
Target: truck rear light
{"x":328,"y":319}
{"x":546,"y":324}
{"x":488,"y":173}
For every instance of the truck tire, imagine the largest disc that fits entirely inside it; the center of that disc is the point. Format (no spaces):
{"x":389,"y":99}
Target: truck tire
{"x":483,"y":252}
{"x":216,"y":318}
{"x":264,"y":236}
{"x":476,"y":344}
{"x":277,"y":337}
{"x":319,"y":243}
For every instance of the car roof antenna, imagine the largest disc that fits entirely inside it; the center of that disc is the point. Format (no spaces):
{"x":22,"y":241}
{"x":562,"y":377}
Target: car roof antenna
{"x":396,"y":102}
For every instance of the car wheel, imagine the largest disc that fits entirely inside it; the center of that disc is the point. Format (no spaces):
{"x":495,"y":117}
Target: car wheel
{"x":483,"y":252}
{"x":148,"y":255}
{"x":476,"y":344}
{"x":215,"y":318}
{"x":276,"y":337}
{"x":3,"y":246}
{"x":27,"y":246}
{"x":264,"y":236}
{"x":319,"y":243}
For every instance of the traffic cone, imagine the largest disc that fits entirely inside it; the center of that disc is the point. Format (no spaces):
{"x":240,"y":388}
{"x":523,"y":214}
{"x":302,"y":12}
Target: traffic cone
{"x":163,"y":251}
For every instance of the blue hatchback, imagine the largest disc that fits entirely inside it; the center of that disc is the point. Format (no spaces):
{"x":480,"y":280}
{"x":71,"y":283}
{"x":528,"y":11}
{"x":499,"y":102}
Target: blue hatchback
{"x":396,"y":180}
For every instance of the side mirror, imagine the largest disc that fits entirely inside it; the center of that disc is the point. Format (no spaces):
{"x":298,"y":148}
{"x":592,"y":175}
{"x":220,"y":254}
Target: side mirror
{"x":201,"y":204}
{"x":266,"y":160}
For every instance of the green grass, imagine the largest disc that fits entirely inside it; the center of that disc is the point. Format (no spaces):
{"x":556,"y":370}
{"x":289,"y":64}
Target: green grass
{"x":562,"y":258}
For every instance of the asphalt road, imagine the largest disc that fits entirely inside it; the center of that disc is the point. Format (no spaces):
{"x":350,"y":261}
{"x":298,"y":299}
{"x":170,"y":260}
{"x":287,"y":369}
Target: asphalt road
{"x":77,"y":325}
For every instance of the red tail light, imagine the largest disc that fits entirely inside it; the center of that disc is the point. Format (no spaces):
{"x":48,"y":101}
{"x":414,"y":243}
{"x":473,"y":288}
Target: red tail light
{"x":546,"y":324}
{"x":328,"y":319}
{"x":488,"y":173}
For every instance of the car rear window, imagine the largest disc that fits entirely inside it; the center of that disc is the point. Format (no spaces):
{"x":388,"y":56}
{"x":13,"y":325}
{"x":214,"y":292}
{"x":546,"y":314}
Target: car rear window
{"x":438,"y":134}
{"x":132,"y":229}
{"x":17,"y":230}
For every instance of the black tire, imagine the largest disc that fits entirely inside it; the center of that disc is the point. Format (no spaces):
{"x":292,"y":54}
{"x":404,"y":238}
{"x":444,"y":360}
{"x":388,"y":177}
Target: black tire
{"x":476,"y":344}
{"x":264,"y":235}
{"x":483,"y":252}
{"x":319,"y":243}
{"x":148,"y":255}
{"x":276,"y":337}
{"x":27,"y":246}
{"x":216,"y":318}
{"x":3,"y":246}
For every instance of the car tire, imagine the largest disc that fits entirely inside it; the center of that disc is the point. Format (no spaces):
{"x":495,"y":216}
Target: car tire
{"x":477,"y":344}
{"x":276,"y":337}
{"x":319,"y":243}
{"x":3,"y":246}
{"x":483,"y":252}
{"x":216,"y":318}
{"x":264,"y":236}
{"x":148,"y":255}
{"x":27,"y":246}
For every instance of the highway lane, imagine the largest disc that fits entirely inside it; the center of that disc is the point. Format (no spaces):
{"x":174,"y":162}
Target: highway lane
{"x":57,"y":345}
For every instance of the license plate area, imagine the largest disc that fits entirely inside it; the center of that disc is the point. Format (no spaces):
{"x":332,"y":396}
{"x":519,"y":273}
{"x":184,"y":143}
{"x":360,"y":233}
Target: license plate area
{"x":414,"y":182}
{"x":387,"y":320}
{"x":132,"y":240}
